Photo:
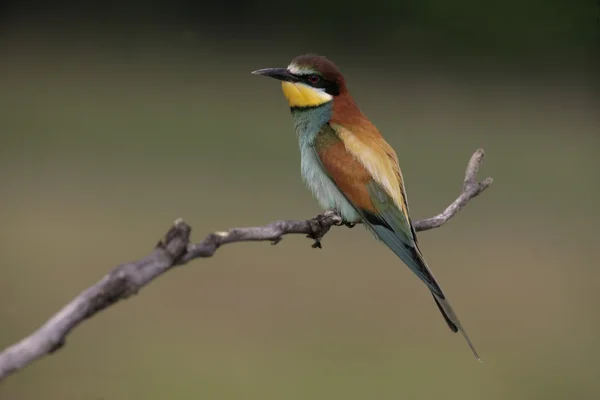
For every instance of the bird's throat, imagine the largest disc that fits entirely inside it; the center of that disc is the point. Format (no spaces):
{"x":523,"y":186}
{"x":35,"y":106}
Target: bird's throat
{"x":300,"y":95}
{"x":309,"y":121}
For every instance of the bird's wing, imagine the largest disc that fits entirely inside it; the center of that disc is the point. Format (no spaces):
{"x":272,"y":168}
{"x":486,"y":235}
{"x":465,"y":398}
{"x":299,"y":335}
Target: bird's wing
{"x":369,"y":176}
{"x":366,"y":172}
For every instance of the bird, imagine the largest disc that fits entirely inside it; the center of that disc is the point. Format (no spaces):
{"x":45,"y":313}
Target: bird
{"x":350,"y":168}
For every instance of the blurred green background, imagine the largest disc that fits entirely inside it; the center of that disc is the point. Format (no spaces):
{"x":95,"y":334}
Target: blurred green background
{"x":118,"y":117}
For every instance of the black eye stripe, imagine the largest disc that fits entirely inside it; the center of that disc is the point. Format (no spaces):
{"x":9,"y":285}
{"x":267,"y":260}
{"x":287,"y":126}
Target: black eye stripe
{"x":321,"y":83}
{"x":314,"y":80}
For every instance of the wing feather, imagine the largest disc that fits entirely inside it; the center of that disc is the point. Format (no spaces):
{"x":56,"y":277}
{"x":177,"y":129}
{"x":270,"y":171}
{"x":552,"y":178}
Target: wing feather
{"x":380,"y":159}
{"x":369,"y":176}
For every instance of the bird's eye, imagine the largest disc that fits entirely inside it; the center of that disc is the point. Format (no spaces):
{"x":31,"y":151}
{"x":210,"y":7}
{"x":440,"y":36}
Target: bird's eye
{"x":314,"y":78}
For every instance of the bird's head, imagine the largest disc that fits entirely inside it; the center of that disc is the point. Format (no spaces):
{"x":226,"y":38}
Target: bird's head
{"x":309,"y":81}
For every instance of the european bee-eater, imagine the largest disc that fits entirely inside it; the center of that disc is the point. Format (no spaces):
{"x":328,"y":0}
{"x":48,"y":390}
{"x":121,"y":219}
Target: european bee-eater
{"x":349,"y":167}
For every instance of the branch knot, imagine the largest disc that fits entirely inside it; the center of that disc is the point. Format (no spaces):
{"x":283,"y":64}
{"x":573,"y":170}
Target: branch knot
{"x":320,"y":225}
{"x":176,"y":240}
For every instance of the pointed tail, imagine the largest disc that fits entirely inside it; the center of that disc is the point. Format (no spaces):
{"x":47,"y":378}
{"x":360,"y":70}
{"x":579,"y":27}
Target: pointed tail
{"x":453,"y":322}
{"x":408,"y":251}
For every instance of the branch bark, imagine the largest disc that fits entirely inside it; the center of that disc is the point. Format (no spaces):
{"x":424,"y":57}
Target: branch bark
{"x":175,"y":249}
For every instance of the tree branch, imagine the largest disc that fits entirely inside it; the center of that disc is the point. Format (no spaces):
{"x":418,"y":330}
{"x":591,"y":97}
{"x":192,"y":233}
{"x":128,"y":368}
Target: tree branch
{"x":175,"y":249}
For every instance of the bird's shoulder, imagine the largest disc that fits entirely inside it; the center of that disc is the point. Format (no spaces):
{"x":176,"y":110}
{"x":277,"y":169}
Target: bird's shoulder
{"x":377,"y":158}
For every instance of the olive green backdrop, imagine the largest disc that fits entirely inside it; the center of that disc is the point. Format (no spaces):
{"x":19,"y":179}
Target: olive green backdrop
{"x":117,"y":119}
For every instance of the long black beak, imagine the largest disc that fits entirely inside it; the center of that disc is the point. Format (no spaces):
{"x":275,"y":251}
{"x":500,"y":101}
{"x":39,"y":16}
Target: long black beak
{"x":278,"y":73}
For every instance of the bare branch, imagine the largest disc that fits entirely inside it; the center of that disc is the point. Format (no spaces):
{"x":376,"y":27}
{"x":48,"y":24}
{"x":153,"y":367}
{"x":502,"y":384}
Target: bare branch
{"x":471,"y":189}
{"x":175,"y":249}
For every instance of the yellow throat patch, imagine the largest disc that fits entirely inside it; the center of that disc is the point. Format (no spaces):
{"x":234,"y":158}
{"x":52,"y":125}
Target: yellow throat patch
{"x":302,"y":95}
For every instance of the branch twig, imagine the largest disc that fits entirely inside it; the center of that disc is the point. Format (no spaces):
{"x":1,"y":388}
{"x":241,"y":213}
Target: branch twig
{"x":175,"y":249}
